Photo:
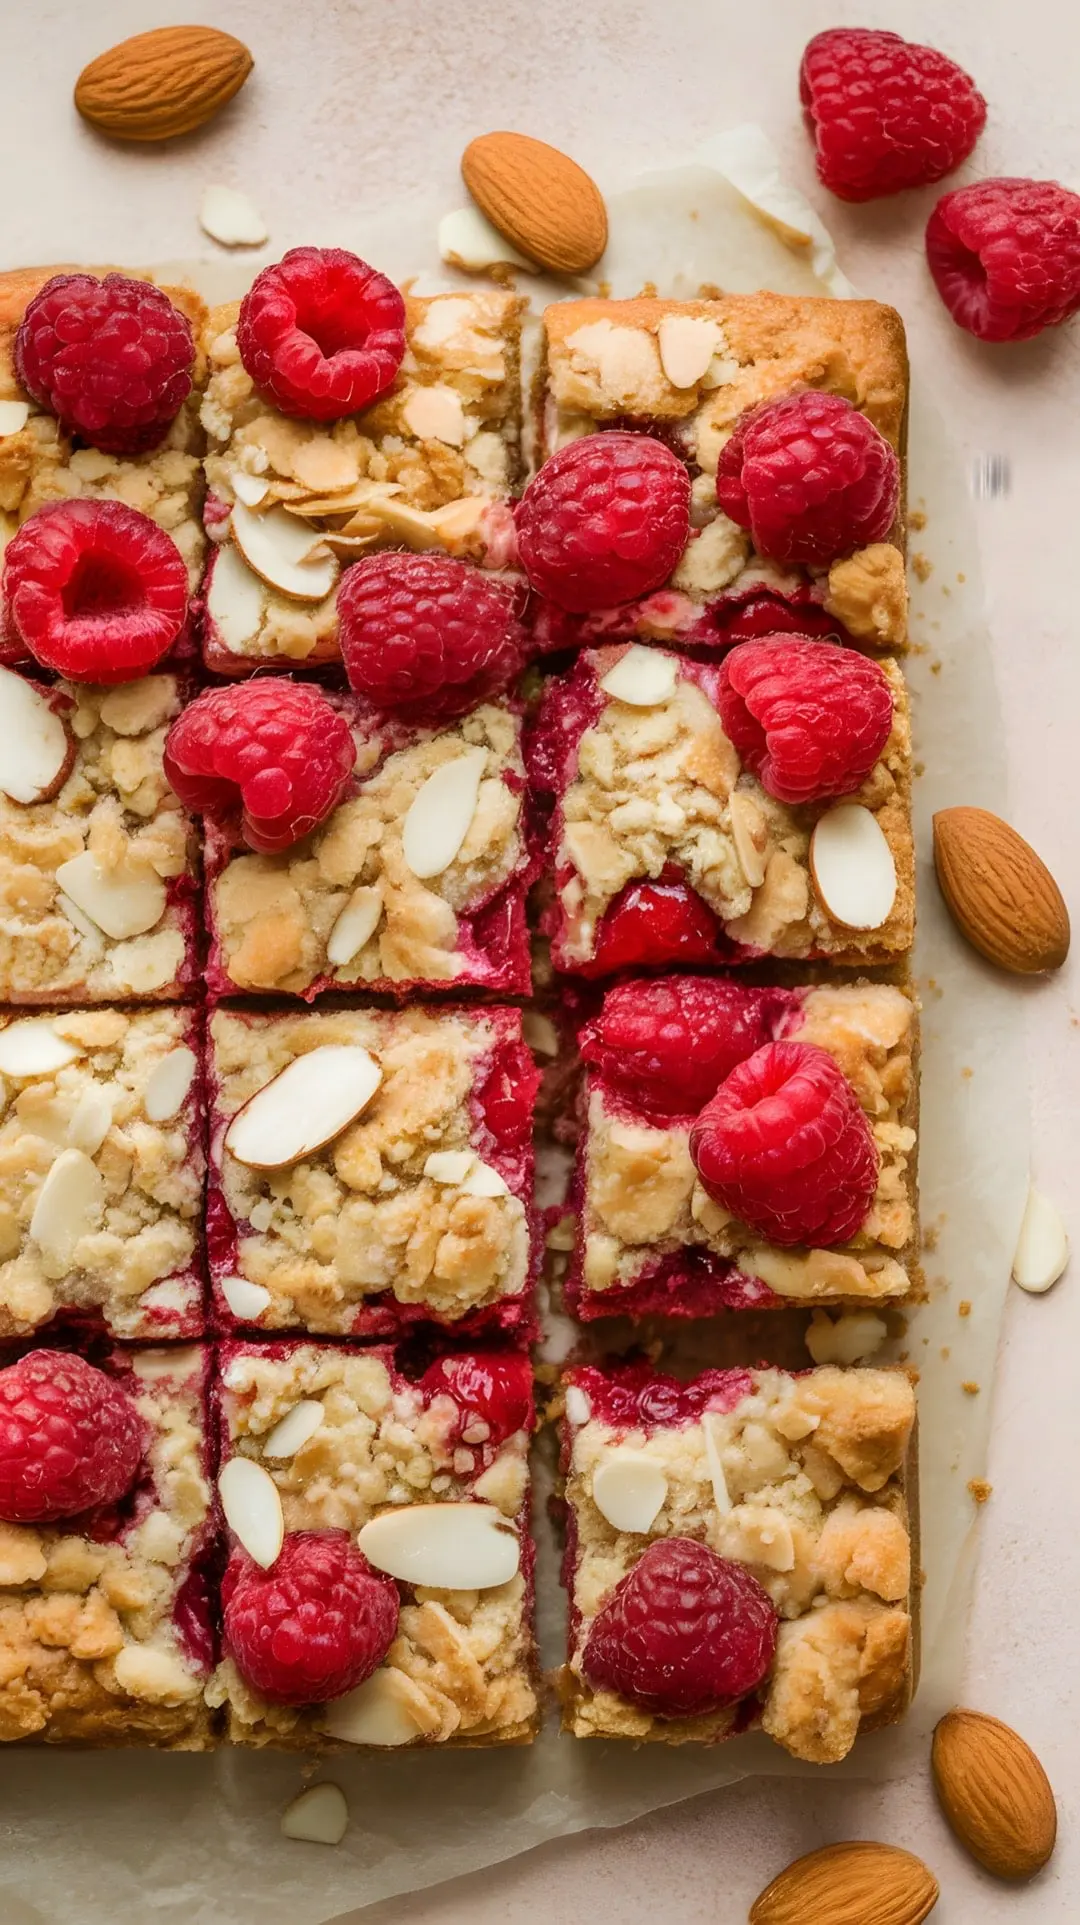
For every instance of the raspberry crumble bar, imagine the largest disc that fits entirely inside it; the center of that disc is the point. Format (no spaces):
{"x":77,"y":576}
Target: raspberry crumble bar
{"x":687,"y":373}
{"x":710,"y":812}
{"x":105,"y":1621}
{"x":745,"y":1147}
{"x":405,"y":1504}
{"x":97,"y":889}
{"x":372,"y":1169}
{"x":102,"y":1164}
{"x":433,"y":464}
{"x":417,"y":880}
{"x":738,"y":1554}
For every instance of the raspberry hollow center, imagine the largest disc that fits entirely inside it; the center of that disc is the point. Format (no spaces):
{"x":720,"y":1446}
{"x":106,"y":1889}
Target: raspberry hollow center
{"x":101,"y":588}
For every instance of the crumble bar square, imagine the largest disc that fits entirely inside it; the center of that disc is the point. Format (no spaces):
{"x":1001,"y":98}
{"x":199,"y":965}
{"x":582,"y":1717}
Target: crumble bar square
{"x":433,"y":464}
{"x":115,"y":839}
{"x":420,"y":1210}
{"x":284,"y":923}
{"x":804,"y":1478}
{"x":105,"y":1621}
{"x":102,"y":1163}
{"x":657,"y":795}
{"x":41,"y":464}
{"x":651,"y":1240}
{"x":686,"y":371}
{"x":462,"y":1668}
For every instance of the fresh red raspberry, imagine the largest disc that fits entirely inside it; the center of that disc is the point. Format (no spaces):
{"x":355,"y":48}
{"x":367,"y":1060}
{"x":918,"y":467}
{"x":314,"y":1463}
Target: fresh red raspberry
{"x":426,"y":635}
{"x":493,"y":1394}
{"x":1005,"y":256}
{"x":313,"y":1626}
{"x":70,"y":1438}
{"x":786,"y":1148}
{"x":111,"y":359}
{"x":668,"y":1045}
{"x":810,"y":477}
{"x":650,"y":924}
{"x":95,"y":590}
{"x":810,"y":719}
{"x":683,"y":1633}
{"x":278,"y":749}
{"x":885,"y":112}
{"x":321,"y":334}
{"x":604,"y":521}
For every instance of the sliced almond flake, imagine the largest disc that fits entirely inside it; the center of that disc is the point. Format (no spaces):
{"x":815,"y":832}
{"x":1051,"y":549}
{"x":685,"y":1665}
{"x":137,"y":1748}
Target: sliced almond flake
{"x":292,"y":1431}
{"x":168,"y":1084}
{"x":304,"y":1107}
{"x":1042,"y":1249}
{"x":852,"y":866}
{"x":367,"y":494}
{"x":714,"y":1433}
{"x":30,"y":1046}
{"x":642,"y":677}
{"x":319,"y":1816}
{"x":252,"y":1507}
{"x":230,"y":217}
{"x":629,"y":1488}
{"x":246,"y":1300}
{"x":125,"y":901}
{"x":436,"y":413}
{"x":355,"y":925}
{"x":14,"y":416}
{"x":441,"y":813}
{"x":483,"y":1180}
{"x":578,"y":1405}
{"x":449,"y":1166}
{"x":452,"y":1547}
{"x":68,"y":1207}
{"x":252,"y":490}
{"x":284,"y":553}
{"x":687,"y":343}
{"x":382,"y":1711}
{"x":468,"y":240}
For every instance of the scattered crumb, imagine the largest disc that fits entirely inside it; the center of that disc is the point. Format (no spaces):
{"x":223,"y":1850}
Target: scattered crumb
{"x":920,"y":1579}
{"x":922,"y":565}
{"x":918,"y":768}
{"x":970,"y":1389}
{"x":919,"y":648}
{"x":945,"y":589}
{"x":946,"y":1353}
{"x":935,"y":668}
{"x":917,"y":520}
{"x":963,"y":1309}
{"x":961,"y":578}
{"x":967,"y":1073}
{"x":980,"y":1490}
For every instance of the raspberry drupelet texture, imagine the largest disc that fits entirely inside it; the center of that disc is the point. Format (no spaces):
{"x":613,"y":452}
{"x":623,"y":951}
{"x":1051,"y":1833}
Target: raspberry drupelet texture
{"x":786,"y":1148}
{"x":810,"y":477}
{"x":684,"y":1633}
{"x":70,"y":1438}
{"x":1005,"y":256}
{"x":321,"y":334}
{"x":426,"y":635}
{"x":95,"y":590}
{"x":668,"y":1045}
{"x":313,"y":1626}
{"x":810,"y":719}
{"x":885,"y":112}
{"x":604,"y":521}
{"x":277,"y":749}
{"x":111,"y":359}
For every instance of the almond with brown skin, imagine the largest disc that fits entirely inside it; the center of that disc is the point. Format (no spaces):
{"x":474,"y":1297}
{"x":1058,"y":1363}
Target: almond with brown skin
{"x":999,"y":893}
{"x":538,"y":199}
{"x":853,"y":1884}
{"x":994,"y":1793}
{"x":163,"y":83}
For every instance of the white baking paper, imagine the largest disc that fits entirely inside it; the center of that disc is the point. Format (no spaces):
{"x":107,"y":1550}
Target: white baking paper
{"x":92,"y":1839}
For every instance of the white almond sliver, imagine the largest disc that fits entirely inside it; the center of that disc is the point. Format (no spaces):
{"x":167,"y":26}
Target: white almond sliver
{"x":687,"y":343}
{"x":853,"y":868}
{"x":449,"y":1547}
{"x":31,"y":1047}
{"x":69,"y":1206}
{"x":236,"y":600}
{"x":304,"y":1107}
{"x":13,"y":416}
{"x":246,"y":1300}
{"x":292,"y":1431}
{"x":376,"y":1713}
{"x":168,"y":1084}
{"x":278,"y":547}
{"x":436,"y":414}
{"x":482,"y":1180}
{"x":252,"y":1507}
{"x":1042,"y":1249}
{"x":320,"y":1816}
{"x":468,"y":240}
{"x":449,"y":1166}
{"x":847,"y":1339}
{"x":642,"y":677}
{"x":250,"y":489}
{"x":91,"y":1121}
{"x":231,"y":218}
{"x":36,"y":750}
{"x":123,"y":902}
{"x":721,"y":1495}
{"x":578,"y":1406}
{"x":629,"y":1489}
{"x":539,"y":1032}
{"x":355,"y":926}
{"x":441,"y":814}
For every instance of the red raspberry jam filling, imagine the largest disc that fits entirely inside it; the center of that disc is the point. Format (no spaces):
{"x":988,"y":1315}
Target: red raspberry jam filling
{"x":634,"y":1396}
{"x":321,"y":334}
{"x":492,"y":1392}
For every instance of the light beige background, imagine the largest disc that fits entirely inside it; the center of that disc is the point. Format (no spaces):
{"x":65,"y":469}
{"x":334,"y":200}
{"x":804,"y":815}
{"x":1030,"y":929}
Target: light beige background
{"x":361,"y":101}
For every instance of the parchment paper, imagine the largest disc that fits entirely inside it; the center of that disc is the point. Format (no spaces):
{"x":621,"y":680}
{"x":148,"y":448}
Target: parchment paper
{"x":93,"y":1839}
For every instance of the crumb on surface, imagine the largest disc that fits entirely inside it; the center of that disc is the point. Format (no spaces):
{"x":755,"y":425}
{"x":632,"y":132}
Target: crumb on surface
{"x":963,"y":1308}
{"x":980,"y":1490}
{"x":921,"y":565}
{"x":917,"y":520}
{"x":969,"y":1388}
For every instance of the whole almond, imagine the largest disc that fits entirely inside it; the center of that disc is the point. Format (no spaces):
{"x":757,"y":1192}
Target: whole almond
{"x":994,"y":1793}
{"x":1001,"y":896}
{"x":539,"y":199}
{"x":853,"y":1884}
{"x":162,"y":83}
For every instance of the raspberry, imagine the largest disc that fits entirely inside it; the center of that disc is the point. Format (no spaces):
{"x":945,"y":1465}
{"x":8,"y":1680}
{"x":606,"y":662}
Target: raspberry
{"x":313,"y":1626}
{"x":1005,"y":256}
{"x":95,"y":590}
{"x":70,"y":1438}
{"x":493,"y":1394}
{"x":885,"y":112}
{"x":667,"y":1046}
{"x":111,"y":359}
{"x":810,"y":719}
{"x":786,"y":1148}
{"x":636,"y":1396}
{"x":321,"y":334}
{"x":683,"y":1633}
{"x":810,"y":477}
{"x":278,"y":749}
{"x":650,"y":924}
{"x":604,"y":521}
{"x":427,"y":635}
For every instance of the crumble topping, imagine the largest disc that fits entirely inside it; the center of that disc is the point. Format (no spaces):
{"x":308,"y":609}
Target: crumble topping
{"x":132,"y":1253}
{"x":802,"y":1481}
{"x":273,"y":915}
{"x":662,"y":785}
{"x":643,"y":1200}
{"x":461,"y":1659}
{"x":361,"y":1216}
{"x":88,"y":1644}
{"x":117,"y":805}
